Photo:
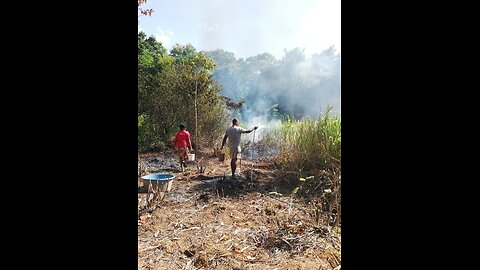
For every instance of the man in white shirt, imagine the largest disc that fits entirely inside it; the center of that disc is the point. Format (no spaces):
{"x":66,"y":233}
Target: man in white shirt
{"x":233,"y":134}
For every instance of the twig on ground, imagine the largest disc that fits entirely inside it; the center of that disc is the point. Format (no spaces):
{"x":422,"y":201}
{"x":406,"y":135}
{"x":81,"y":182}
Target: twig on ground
{"x":150,"y":248}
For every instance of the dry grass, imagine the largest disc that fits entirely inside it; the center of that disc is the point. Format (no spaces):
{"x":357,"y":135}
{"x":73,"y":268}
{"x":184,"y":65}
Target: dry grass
{"x":219,"y":225}
{"x":249,"y":232}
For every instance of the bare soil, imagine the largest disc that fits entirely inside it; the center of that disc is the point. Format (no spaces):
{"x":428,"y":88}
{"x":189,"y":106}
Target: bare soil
{"x":210,"y":221}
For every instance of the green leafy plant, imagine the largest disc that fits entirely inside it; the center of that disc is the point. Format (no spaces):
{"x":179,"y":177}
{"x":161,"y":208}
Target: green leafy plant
{"x":302,"y":180}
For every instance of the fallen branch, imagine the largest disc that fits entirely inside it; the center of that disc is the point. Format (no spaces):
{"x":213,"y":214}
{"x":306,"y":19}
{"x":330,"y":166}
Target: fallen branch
{"x":287,"y":242}
{"x":191,"y":228}
{"x":150,"y":248}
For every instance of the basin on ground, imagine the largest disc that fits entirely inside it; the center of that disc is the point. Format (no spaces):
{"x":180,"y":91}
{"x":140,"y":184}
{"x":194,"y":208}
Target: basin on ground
{"x":159,"y":181}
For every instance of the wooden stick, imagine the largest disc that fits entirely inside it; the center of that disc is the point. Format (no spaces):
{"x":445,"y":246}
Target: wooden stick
{"x":150,"y":248}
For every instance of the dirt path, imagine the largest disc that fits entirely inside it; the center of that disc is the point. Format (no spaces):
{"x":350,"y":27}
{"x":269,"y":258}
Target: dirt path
{"x":209,"y":221}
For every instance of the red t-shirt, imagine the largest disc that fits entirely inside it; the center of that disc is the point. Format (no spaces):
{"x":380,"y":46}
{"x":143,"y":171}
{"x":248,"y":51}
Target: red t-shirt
{"x":182,"y":138}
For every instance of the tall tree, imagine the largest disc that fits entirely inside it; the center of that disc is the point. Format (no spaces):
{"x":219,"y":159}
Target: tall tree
{"x":173,"y":88}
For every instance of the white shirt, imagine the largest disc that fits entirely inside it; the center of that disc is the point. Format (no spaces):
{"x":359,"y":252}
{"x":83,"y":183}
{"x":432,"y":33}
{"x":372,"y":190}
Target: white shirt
{"x":234,"y":133}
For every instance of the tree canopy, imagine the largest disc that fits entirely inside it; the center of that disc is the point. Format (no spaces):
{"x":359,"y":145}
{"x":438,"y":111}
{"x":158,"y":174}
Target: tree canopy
{"x":169,"y":85}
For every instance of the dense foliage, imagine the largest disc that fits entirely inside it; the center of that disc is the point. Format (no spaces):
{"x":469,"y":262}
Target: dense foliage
{"x":170,"y":86}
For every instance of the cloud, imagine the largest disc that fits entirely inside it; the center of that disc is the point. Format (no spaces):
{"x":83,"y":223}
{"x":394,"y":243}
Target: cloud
{"x":164,"y":36}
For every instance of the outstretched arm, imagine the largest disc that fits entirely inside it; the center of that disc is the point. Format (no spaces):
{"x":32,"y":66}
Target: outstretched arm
{"x":250,"y":130}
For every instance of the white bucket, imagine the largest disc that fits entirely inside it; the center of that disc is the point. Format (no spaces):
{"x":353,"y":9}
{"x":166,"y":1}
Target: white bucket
{"x":191,"y":157}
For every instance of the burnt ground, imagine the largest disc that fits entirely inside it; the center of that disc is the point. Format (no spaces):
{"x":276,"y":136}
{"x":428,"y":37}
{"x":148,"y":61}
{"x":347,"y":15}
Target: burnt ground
{"x":210,"y":221}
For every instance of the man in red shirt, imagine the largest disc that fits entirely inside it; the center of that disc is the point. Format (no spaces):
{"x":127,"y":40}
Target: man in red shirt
{"x":182,"y":140}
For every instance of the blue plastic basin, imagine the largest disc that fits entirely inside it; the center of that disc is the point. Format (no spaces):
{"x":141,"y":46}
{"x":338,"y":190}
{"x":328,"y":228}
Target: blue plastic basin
{"x":158,"y":177}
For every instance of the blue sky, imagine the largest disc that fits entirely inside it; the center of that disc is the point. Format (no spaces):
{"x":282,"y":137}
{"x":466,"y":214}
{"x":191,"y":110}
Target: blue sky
{"x":245,"y":27}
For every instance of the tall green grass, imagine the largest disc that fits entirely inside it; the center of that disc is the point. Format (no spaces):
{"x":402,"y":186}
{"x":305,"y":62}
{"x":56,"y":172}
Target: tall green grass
{"x":310,"y":150}
{"x":311,"y":144}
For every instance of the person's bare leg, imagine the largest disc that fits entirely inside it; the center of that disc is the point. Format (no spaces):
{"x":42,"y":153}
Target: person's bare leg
{"x":233,"y":164}
{"x":185,"y":157}
{"x":180,"y":160}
